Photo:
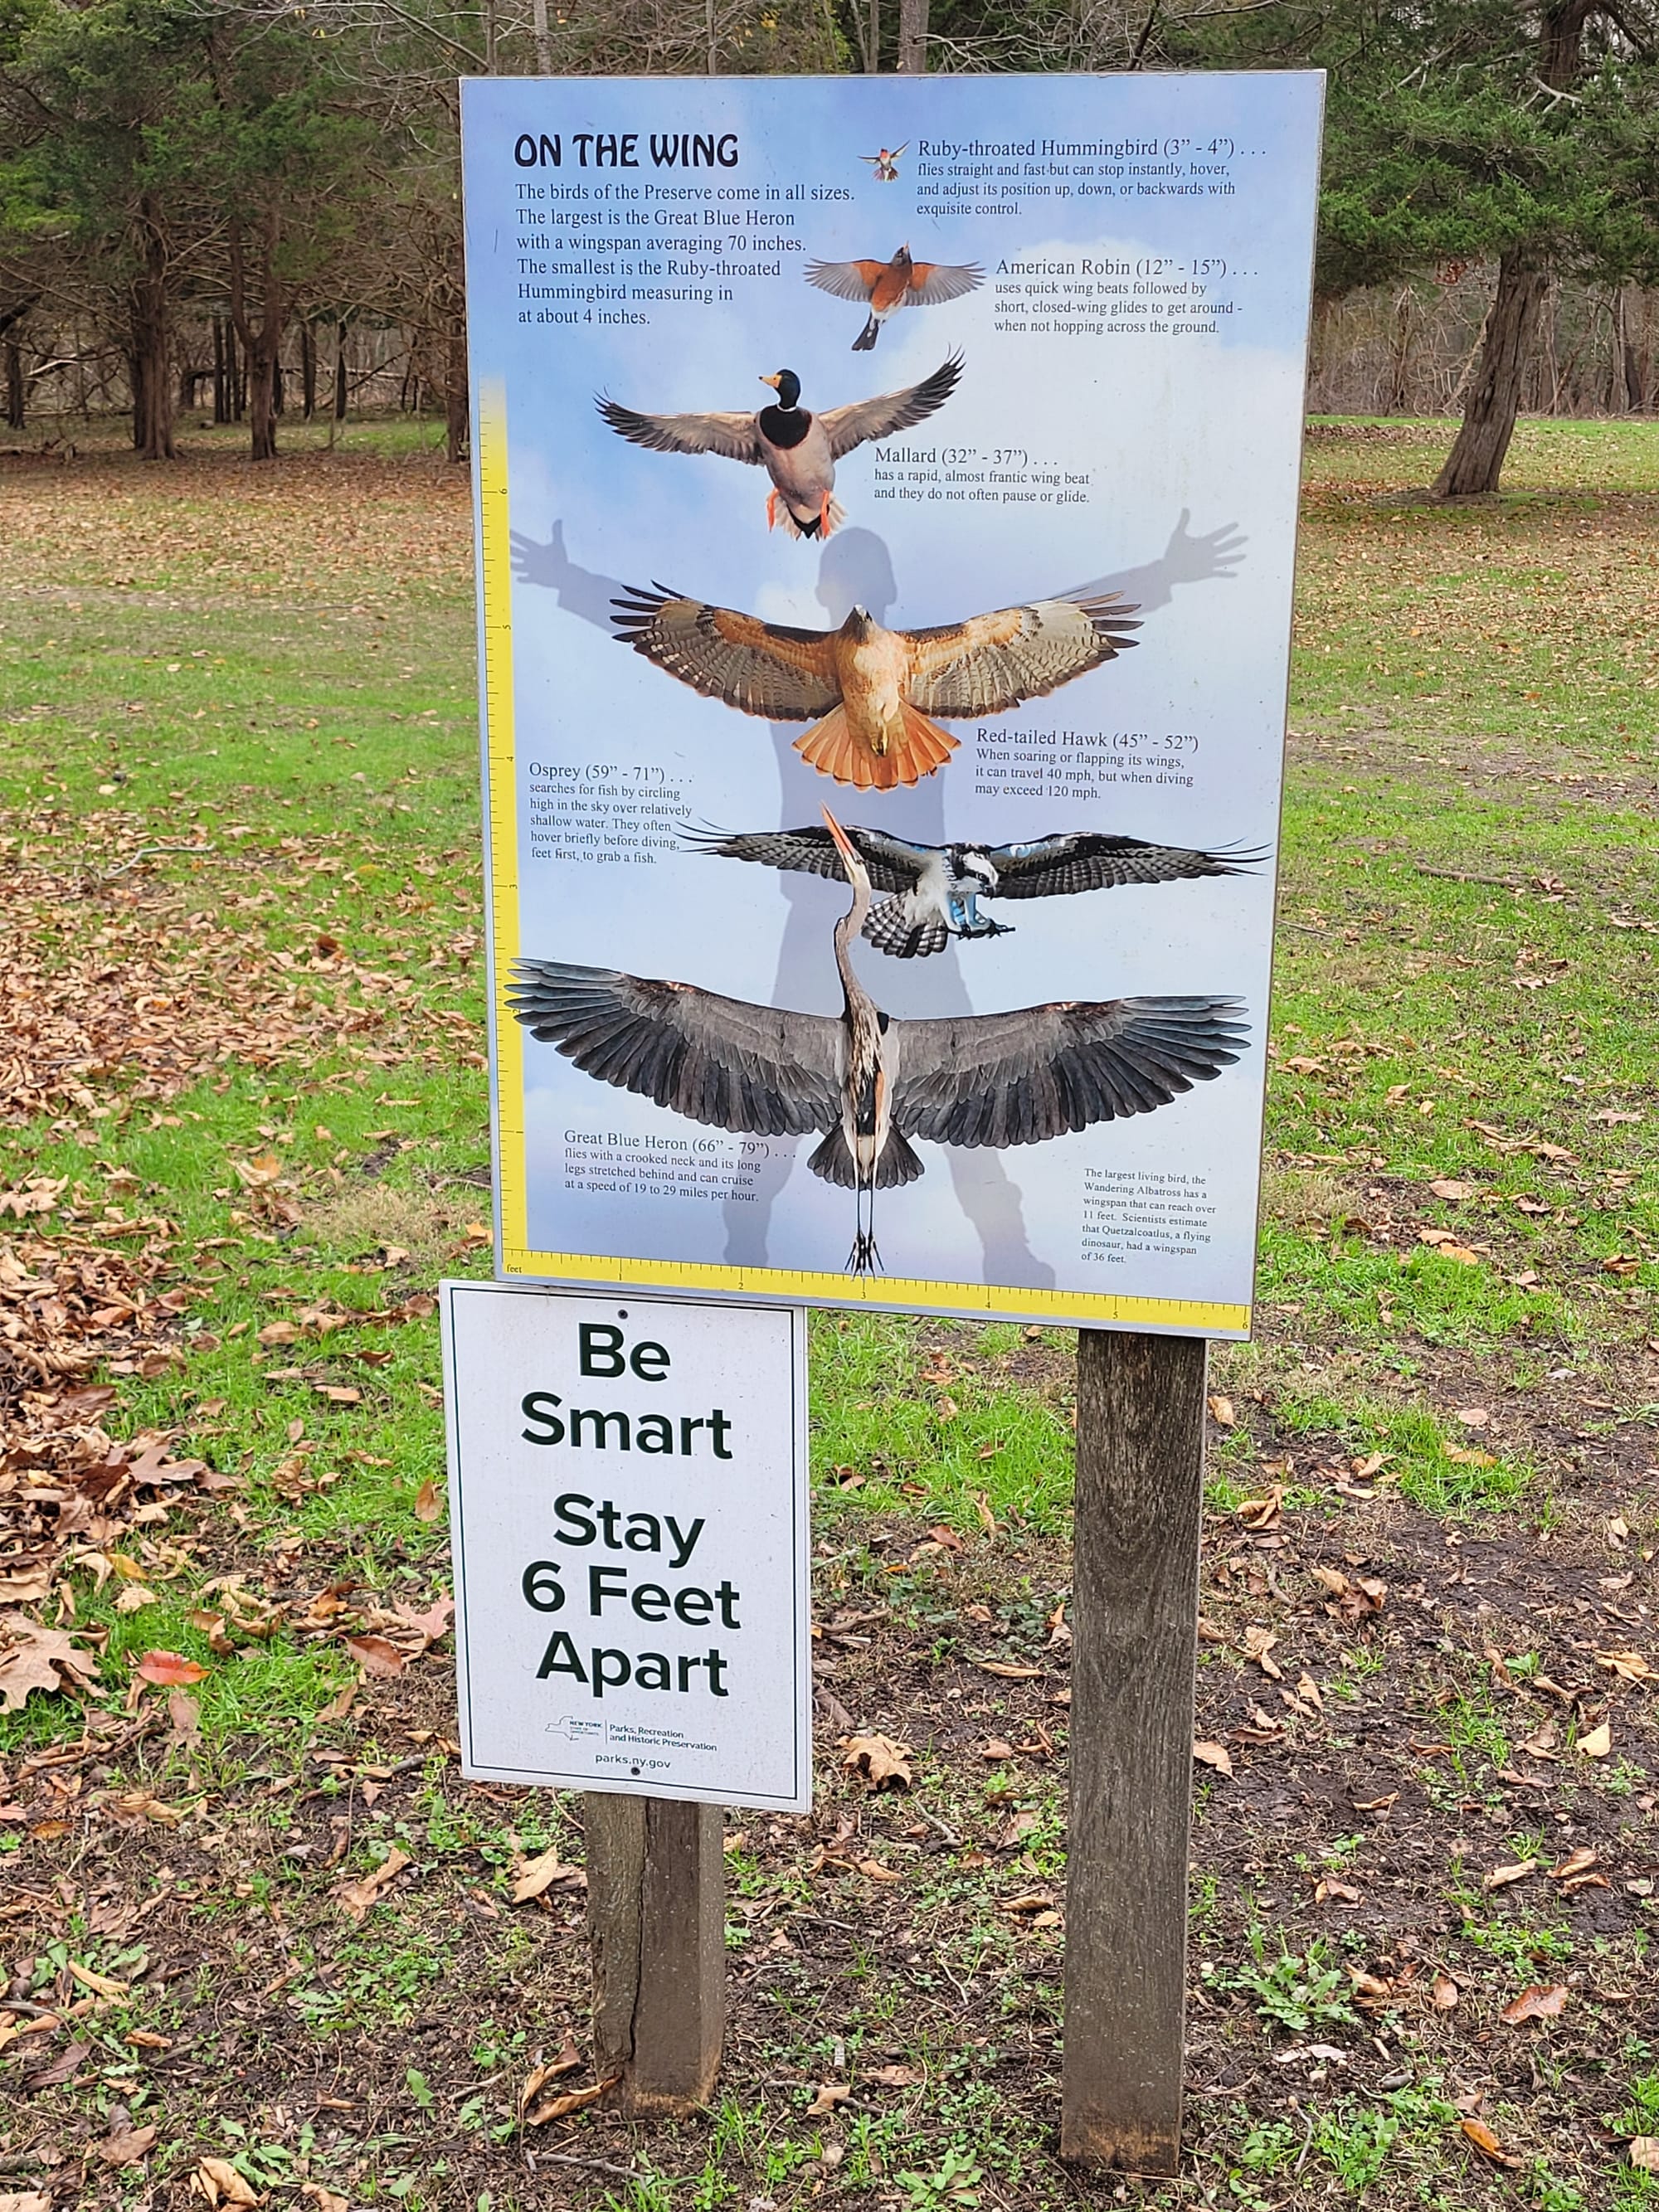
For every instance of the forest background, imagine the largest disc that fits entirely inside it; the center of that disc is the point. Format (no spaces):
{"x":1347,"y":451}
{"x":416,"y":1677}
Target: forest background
{"x":230,"y":212}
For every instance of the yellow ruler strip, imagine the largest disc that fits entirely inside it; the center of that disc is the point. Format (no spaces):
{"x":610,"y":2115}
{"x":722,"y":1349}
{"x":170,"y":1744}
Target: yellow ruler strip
{"x":496,"y":566}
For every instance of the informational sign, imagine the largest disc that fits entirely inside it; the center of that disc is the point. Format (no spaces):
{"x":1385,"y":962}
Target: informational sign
{"x":628,"y":1498}
{"x":887,"y":501}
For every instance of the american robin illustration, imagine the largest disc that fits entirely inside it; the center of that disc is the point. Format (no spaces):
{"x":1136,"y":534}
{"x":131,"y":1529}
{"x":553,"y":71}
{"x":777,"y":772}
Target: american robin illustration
{"x":797,"y":450}
{"x":869,"y":692}
{"x":886,"y":286}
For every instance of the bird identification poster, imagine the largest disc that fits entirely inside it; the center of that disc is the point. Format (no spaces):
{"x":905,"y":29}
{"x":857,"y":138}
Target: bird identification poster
{"x":886,"y":494}
{"x":628,"y":1495}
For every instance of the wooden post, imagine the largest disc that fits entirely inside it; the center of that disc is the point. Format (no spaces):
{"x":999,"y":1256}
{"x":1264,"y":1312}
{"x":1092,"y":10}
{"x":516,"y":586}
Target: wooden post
{"x":1134,"y":1627}
{"x":656,"y":1928}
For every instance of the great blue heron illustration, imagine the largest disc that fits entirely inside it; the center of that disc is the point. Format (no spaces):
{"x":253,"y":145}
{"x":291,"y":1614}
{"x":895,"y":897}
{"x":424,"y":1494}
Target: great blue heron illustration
{"x":797,"y":449}
{"x":936,"y":889}
{"x":868,"y":691}
{"x":865,"y":1082}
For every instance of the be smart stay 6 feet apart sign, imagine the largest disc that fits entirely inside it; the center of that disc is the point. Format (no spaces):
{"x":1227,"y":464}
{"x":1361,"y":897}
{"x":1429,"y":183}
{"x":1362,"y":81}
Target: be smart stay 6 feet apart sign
{"x":886,"y":494}
{"x":627,"y":1496}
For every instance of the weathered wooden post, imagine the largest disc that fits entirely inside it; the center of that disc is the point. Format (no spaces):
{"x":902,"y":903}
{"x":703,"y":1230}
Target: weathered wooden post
{"x":1135,"y":1628}
{"x":656,"y":1927}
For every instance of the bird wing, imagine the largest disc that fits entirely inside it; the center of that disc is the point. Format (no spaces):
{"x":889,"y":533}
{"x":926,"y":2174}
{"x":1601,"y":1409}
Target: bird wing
{"x":893,"y":863}
{"x":761,"y":1069}
{"x":992,"y":661}
{"x":934,"y":281}
{"x":785,"y":675}
{"x":868,"y":419}
{"x":1020,"y":1078}
{"x":737,"y":437}
{"x":1088,"y":860}
{"x":848,"y":280}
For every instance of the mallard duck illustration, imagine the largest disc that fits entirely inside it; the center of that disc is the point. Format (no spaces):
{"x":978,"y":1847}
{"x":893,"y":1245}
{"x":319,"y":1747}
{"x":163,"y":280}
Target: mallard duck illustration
{"x":886,"y":286}
{"x":936,"y":889}
{"x":797,"y":450}
{"x":866,"y":1082}
{"x":867,"y":692}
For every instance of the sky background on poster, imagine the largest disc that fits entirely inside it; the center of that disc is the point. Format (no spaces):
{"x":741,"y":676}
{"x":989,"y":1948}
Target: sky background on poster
{"x":1205,"y":428}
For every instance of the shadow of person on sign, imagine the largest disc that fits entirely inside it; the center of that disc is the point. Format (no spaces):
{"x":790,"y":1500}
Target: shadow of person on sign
{"x":856,"y":569}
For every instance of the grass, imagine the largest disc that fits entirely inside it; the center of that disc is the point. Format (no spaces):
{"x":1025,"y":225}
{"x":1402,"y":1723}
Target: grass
{"x":273,"y":671}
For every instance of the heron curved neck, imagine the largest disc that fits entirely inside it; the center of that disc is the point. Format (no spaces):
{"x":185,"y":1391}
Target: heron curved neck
{"x":846,"y":930}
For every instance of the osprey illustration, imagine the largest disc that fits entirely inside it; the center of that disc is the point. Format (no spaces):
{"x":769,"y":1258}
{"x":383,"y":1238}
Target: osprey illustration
{"x":937,"y":888}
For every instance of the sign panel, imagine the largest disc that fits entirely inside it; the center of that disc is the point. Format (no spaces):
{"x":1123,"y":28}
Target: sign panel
{"x":628,"y":1495}
{"x":887,"y":496}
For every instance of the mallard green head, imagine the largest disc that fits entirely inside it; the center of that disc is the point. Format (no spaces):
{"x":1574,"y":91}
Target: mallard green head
{"x":787,"y":384}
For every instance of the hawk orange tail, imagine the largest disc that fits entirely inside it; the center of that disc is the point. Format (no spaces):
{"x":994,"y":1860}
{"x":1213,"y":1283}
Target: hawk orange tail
{"x":834,"y":750}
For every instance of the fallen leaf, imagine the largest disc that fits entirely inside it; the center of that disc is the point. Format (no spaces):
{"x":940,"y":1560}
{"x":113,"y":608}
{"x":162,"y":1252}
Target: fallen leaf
{"x":355,"y":1898}
{"x":1449,"y":1187}
{"x":1038,"y":1900}
{"x":897,"y":2077}
{"x":1009,"y":1673}
{"x":1260,"y":1512}
{"x":539,"y":2076}
{"x":1486,"y":2143}
{"x":830,"y":2094}
{"x":428,"y":1501}
{"x":882,"y":1762}
{"x":1216,"y":1755}
{"x":324,"y":2199}
{"x":1642,"y":2150}
{"x":1534,"y":2003}
{"x":1222,"y":1411}
{"x":53,"y":2076}
{"x":101,"y":1985}
{"x":996,"y":1749}
{"x":1444,"y":1997}
{"x":1257,"y":1645}
{"x":24,"y":2200}
{"x":169,"y":1668}
{"x":571,"y":2100}
{"x":1629,"y":1666}
{"x":185,"y":1720}
{"x":1597,"y":1744}
{"x":1575,"y":1862}
{"x":1473,"y":1416}
{"x":540,"y":1874}
{"x":35,"y":1658}
{"x":1501,"y":1877}
{"x":1328,"y":1886}
{"x":376,"y":1657}
{"x":877,"y":1871}
{"x":217,"y":2180}
{"x":125,"y":2146}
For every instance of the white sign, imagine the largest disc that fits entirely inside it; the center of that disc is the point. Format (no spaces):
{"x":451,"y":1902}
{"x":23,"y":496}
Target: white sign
{"x":628,"y":1494}
{"x":921,"y":452}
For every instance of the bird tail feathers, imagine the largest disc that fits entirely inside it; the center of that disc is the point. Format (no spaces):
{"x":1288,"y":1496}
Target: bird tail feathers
{"x":890,"y":929}
{"x":833,"y":1162}
{"x":815,"y":526}
{"x":865,"y":340}
{"x":832,"y":748}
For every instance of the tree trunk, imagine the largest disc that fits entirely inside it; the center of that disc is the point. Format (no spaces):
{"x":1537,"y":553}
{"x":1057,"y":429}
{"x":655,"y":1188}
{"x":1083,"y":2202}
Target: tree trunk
{"x":1476,"y":460}
{"x":539,"y":39}
{"x":340,"y":388}
{"x":261,"y":341}
{"x":455,"y":392}
{"x":152,"y":382}
{"x":221,"y":381}
{"x":307,"y":369}
{"x":17,"y":387}
{"x":913,"y":37}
